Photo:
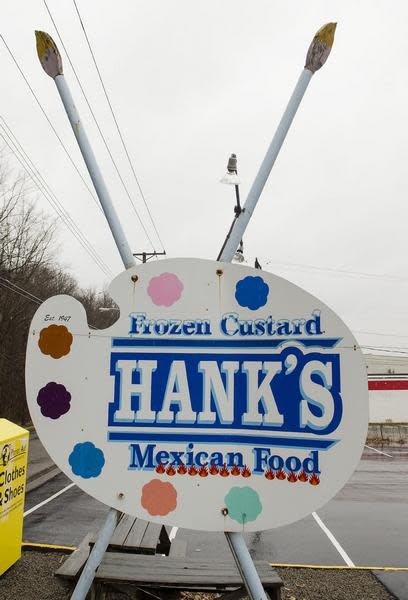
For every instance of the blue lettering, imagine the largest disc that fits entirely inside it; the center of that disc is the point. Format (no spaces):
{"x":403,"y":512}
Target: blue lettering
{"x":198,"y":458}
{"x":139,"y":460}
{"x":235,"y":459}
{"x":261,"y":459}
{"x":229,"y":324}
{"x":175,"y":327}
{"x":288,"y":391}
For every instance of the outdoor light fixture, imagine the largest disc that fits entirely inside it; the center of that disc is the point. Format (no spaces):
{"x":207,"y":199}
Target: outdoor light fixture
{"x":231,"y":177}
{"x":317,"y":55}
{"x":239,"y":254}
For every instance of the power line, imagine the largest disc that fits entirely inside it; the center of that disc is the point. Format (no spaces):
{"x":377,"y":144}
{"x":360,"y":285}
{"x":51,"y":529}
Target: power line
{"x":20,"y":291}
{"x":35,"y":298}
{"x":116,"y":123}
{"x":53,"y":201}
{"x":12,"y":287}
{"x":39,"y":181}
{"x":336,"y":271}
{"x":98,"y":126}
{"x":49,"y":122}
{"x":388,"y":349}
{"x":394,"y":335}
{"x":51,"y":197}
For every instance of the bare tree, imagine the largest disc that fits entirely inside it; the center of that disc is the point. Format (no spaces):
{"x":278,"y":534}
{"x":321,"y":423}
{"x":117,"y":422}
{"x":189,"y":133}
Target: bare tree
{"x":25,"y":250}
{"x":29,"y":275}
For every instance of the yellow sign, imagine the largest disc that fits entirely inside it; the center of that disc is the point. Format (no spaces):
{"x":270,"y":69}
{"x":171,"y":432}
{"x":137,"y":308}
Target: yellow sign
{"x":13,"y":470}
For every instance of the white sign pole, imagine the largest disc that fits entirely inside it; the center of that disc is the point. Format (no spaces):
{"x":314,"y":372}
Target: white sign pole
{"x":96,"y":556}
{"x":51,"y":62}
{"x":317,"y":55}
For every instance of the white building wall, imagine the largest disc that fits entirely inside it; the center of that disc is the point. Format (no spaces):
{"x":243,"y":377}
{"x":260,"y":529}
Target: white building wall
{"x":388,"y":406}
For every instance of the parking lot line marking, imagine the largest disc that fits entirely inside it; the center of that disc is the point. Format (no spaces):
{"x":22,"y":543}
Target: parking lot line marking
{"x":333,"y":540}
{"x":56,"y":547}
{"x":28,"y":512}
{"x":379,"y":451}
{"x":338,"y":567}
{"x":173,"y":533}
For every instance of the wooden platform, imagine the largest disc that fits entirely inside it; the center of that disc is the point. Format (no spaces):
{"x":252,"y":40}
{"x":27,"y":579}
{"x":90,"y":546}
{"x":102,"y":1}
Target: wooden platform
{"x":190,"y":574}
{"x":130,"y":535}
{"x":136,"y":535}
{"x":135,"y":560}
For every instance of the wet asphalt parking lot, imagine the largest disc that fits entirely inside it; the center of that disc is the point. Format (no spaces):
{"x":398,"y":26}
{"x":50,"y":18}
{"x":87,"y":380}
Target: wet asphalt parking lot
{"x":366,"y":524}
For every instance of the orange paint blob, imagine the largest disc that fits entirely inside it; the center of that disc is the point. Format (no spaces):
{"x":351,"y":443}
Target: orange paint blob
{"x":55,"y":341}
{"x":159,"y":497}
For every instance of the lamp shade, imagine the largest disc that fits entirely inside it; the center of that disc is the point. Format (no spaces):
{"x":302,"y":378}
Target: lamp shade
{"x":230,"y":179}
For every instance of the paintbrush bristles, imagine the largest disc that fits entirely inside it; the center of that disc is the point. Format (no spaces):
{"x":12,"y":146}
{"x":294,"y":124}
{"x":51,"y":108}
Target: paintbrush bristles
{"x":320,"y":47}
{"x":48,"y":54}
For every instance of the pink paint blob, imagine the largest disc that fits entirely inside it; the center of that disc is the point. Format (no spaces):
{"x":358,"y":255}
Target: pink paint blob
{"x":165,"y":289}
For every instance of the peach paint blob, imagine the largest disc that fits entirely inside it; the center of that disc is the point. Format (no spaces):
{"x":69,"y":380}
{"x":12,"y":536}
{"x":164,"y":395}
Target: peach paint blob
{"x":159,"y":497}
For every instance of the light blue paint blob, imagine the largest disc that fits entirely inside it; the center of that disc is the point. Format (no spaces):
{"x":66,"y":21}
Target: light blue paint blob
{"x":86,"y":460}
{"x":251,"y":292}
{"x":243,"y":504}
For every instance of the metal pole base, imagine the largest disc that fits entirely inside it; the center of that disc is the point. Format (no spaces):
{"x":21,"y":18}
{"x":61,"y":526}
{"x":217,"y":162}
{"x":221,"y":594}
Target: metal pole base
{"x":245,"y":565}
{"x":96,"y":556}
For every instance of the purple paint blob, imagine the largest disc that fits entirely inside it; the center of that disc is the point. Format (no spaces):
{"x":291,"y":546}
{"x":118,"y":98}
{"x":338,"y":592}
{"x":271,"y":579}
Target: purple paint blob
{"x":165,"y":289}
{"x":54,"y":400}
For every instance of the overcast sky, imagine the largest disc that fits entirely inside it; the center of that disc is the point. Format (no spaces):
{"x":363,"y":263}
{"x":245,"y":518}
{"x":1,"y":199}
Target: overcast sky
{"x":191,"y":82}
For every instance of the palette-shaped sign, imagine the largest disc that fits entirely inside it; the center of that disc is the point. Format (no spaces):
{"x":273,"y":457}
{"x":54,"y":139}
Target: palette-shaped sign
{"x":223,"y":398}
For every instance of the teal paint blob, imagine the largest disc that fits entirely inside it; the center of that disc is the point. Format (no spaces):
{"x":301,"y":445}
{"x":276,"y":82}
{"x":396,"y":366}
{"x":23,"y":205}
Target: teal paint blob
{"x":243,"y":504}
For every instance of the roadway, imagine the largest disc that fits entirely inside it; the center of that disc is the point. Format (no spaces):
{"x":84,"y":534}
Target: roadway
{"x":366,"y":524}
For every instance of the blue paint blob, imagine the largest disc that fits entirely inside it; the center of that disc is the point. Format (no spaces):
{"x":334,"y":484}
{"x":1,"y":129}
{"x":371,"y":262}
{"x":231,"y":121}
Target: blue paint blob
{"x":243,"y":504}
{"x":251,"y":292}
{"x":86,"y":460}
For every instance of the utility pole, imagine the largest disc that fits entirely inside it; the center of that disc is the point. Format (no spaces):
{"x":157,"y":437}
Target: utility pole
{"x":145,"y":256}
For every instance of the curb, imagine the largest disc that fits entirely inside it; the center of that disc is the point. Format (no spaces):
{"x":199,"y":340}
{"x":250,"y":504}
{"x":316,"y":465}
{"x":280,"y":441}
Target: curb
{"x":395,"y":583}
{"x":43,"y":477}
